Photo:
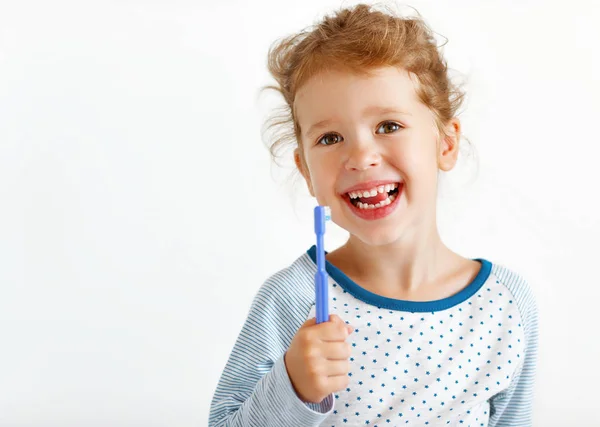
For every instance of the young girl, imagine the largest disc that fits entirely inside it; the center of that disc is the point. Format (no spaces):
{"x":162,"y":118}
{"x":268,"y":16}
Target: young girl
{"x":418,"y":335}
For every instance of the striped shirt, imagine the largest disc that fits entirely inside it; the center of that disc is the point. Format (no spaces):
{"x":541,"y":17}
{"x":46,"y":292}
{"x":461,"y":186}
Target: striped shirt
{"x":466,"y":360}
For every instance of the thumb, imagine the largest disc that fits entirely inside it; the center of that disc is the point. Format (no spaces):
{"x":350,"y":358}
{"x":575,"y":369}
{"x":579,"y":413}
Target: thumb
{"x":336,"y":319}
{"x":309,"y":322}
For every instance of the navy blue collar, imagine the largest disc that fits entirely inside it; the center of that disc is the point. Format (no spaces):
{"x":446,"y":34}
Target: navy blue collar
{"x":404,"y":305}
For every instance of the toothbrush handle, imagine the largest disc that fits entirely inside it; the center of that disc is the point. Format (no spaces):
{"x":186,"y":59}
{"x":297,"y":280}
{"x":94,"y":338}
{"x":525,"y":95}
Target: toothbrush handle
{"x":321,"y":282}
{"x":322,"y":298}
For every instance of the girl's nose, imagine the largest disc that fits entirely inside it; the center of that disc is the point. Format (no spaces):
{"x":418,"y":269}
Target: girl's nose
{"x":362,"y":157}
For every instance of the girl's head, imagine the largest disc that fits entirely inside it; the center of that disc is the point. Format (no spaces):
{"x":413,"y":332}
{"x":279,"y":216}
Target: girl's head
{"x":369,"y":103}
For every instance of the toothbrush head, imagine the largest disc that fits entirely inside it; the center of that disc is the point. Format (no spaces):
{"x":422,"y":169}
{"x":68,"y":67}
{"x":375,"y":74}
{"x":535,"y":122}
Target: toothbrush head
{"x":322,"y":215}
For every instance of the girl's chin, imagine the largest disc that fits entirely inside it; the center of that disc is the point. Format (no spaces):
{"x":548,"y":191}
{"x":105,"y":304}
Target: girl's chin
{"x":379,"y":233}
{"x":381,"y":237}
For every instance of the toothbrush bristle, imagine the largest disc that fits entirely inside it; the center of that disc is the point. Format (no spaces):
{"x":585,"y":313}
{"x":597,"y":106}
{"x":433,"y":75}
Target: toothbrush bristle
{"x":327,"y":213}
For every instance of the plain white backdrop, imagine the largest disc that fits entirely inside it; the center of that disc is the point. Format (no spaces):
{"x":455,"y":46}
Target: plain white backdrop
{"x":140,"y":212}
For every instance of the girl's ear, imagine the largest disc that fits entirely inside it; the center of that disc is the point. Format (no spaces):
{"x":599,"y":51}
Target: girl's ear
{"x":448,"y":146}
{"x":301,"y":165}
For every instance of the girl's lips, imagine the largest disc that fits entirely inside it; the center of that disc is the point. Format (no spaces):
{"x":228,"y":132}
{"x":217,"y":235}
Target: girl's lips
{"x":377,"y":213}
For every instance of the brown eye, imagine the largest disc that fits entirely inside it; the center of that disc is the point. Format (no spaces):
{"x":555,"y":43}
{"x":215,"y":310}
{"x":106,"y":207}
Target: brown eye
{"x":391,"y":126}
{"x":326,"y":140}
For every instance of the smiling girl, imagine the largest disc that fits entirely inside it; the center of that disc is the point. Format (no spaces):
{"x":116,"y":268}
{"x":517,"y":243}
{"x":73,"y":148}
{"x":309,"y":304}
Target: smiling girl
{"x":419,"y":335}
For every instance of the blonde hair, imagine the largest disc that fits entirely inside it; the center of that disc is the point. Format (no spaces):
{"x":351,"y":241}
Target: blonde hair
{"x":358,"y":39}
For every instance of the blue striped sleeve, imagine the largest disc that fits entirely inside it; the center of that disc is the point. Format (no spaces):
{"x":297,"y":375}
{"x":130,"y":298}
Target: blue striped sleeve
{"x":514,"y":406}
{"x":254,"y":388}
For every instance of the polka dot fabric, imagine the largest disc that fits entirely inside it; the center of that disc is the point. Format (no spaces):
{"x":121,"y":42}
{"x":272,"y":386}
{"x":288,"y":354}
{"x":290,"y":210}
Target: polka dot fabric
{"x":427,"y":368}
{"x":467,"y":360}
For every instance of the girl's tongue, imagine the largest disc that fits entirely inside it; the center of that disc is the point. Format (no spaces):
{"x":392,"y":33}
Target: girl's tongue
{"x":380,"y":197}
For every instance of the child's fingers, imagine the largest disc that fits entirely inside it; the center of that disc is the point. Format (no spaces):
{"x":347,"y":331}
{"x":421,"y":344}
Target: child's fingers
{"x":337,"y":350}
{"x":337,"y":367}
{"x":338,"y":382}
{"x":336,"y":319}
{"x":333,"y":331}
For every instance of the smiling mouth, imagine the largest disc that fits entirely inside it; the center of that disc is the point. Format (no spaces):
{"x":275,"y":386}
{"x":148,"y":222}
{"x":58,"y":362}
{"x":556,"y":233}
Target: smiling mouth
{"x":374,"y":198}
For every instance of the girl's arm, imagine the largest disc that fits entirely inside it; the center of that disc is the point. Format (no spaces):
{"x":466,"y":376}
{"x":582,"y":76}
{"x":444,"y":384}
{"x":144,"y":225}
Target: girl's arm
{"x":514,"y":406}
{"x":254,"y":388}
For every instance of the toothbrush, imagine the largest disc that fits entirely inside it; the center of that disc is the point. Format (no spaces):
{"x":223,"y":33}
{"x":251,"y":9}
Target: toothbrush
{"x":322,"y":214}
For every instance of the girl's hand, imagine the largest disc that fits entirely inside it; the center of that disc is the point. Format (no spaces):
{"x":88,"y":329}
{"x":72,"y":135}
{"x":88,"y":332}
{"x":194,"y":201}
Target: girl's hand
{"x":317,"y":360}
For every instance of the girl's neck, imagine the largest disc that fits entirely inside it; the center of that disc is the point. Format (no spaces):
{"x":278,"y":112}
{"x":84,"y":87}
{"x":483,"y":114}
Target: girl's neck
{"x":406,"y":269}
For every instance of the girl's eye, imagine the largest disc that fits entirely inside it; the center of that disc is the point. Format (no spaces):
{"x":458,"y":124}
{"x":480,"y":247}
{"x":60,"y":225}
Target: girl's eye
{"x":326,"y":141}
{"x":392,"y":124}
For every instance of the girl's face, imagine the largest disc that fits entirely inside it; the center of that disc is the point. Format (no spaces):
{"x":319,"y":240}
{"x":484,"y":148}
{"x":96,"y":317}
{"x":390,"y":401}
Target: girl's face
{"x":372,"y":152}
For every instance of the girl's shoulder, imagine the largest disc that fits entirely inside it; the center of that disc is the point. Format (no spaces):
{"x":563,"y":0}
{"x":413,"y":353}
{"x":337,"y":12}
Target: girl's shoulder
{"x":291,"y":287}
{"x":518,"y":286}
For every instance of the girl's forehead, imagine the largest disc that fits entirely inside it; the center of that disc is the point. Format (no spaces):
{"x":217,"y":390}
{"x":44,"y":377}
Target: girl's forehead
{"x":330,"y":91}
{"x":385,"y":83}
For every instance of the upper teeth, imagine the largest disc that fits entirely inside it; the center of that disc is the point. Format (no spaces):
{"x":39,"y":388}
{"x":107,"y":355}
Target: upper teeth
{"x":373,"y":192}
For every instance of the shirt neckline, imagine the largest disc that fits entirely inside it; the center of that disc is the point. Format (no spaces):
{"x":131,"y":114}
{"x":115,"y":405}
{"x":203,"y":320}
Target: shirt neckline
{"x":380,"y":301}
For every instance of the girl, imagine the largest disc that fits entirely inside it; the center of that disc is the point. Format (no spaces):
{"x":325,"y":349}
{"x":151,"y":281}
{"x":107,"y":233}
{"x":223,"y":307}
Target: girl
{"x":418,"y":334}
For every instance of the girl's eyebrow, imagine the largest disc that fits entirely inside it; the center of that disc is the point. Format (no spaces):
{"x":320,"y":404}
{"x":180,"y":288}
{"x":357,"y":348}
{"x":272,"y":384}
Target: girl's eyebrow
{"x":368,"y":111}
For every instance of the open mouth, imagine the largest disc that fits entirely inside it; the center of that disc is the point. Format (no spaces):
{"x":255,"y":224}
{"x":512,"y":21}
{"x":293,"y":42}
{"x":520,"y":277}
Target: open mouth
{"x":374,"y":198}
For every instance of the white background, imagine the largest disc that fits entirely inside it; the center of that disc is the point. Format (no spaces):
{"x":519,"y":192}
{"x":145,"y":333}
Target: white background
{"x":139,"y":212}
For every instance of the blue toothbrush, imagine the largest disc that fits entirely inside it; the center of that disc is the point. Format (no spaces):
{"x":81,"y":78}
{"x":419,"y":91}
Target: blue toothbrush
{"x":322,"y":214}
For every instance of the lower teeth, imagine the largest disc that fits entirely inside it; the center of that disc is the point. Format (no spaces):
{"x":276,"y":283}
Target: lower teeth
{"x":383,"y":203}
